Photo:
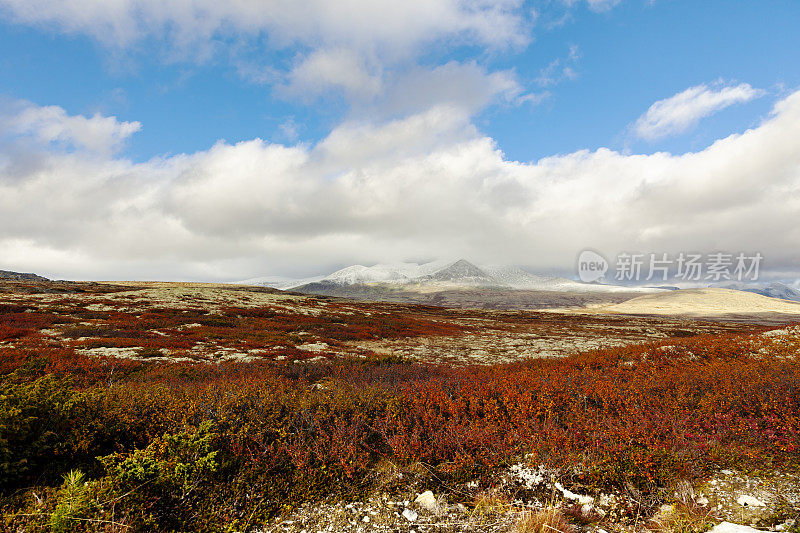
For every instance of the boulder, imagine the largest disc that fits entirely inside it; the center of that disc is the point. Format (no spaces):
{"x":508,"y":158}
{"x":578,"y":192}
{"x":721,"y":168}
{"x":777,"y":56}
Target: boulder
{"x":427,"y":501}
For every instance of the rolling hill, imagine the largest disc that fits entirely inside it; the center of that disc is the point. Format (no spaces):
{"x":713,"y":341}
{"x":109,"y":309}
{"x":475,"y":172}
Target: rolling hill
{"x":710,"y":302}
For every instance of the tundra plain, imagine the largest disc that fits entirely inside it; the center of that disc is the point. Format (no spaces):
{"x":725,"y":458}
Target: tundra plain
{"x":130,"y":406}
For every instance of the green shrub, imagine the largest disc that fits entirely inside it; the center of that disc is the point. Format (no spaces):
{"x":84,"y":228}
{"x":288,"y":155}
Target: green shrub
{"x":35,"y":419}
{"x":73,"y":500}
{"x":163,"y":482}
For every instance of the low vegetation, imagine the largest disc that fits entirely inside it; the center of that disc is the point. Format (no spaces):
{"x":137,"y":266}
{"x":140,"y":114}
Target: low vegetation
{"x":93,"y":443}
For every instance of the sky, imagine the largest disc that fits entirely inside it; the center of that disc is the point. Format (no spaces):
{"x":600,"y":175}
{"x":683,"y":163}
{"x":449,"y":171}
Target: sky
{"x":207,"y":140}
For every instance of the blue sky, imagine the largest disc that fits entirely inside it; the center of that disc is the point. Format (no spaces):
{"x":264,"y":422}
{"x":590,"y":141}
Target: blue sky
{"x":513,"y":82}
{"x":628,"y":57}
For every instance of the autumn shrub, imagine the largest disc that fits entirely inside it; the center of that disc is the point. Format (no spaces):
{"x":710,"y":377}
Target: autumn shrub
{"x":10,"y":332}
{"x":27,"y":320}
{"x":6,"y":309}
{"x":93,"y":331}
{"x":265,"y":436}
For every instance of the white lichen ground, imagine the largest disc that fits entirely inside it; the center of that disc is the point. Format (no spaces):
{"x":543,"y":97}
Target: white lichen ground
{"x":497,"y":336}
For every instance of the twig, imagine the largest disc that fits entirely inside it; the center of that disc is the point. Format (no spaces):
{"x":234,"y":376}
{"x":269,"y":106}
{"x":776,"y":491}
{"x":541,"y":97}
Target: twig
{"x":551,"y":527}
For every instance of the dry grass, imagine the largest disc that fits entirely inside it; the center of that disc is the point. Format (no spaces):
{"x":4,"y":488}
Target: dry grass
{"x":548,"y":520}
{"x":491,"y":502}
{"x":685,"y":516}
{"x":681,"y":518}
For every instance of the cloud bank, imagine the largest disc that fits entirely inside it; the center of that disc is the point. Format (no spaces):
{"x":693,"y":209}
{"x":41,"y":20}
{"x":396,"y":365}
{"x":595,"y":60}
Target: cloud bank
{"x":374,"y":23}
{"x":426,"y":185}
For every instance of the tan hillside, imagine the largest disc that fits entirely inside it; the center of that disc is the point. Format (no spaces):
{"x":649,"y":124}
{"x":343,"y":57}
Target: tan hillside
{"x":703,"y":302}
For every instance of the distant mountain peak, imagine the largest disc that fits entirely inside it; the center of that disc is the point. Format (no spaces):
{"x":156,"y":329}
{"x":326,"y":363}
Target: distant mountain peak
{"x":440,"y":275}
{"x":461,"y":270}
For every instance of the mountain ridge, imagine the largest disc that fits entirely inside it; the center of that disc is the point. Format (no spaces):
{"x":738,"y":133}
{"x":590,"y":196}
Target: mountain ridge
{"x":775,"y":289}
{"x":21,"y":276}
{"x":441,"y":275}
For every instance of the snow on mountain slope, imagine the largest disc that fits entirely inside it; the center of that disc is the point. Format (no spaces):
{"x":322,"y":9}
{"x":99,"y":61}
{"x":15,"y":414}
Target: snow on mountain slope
{"x":517,"y":278}
{"x":278,"y":282}
{"x":773,"y":290}
{"x":362,"y":274}
{"x":385,"y":273}
{"x":357,"y":274}
{"x":445,"y":274}
{"x":461,"y":272}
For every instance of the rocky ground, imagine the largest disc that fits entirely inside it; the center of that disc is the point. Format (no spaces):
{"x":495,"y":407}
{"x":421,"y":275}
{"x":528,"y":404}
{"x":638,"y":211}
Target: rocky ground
{"x":768,"y":501}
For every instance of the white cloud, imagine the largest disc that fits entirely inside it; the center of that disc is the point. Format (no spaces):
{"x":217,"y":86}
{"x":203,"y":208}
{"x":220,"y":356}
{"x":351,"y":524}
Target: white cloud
{"x":602,"y":5}
{"x":467,"y":86}
{"x":51,"y":124}
{"x":428,"y":185}
{"x":385,"y":24}
{"x":595,"y":5}
{"x":681,"y":112}
{"x":338,"y":69}
{"x":289,"y":130}
{"x":560,"y":69}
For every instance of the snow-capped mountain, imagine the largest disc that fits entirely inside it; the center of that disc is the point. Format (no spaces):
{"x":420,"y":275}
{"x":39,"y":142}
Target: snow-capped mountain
{"x":773,"y":290}
{"x":385,"y":273}
{"x":442,"y":275}
{"x":461,"y":273}
{"x":513,"y":276}
{"x":518,"y":278}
